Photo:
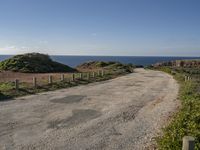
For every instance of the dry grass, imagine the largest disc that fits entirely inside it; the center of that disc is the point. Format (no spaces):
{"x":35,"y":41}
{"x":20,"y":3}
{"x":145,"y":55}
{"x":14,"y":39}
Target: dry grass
{"x":8,"y":76}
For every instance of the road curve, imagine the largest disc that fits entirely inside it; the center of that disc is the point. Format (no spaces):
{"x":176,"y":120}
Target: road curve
{"x":122,"y":113}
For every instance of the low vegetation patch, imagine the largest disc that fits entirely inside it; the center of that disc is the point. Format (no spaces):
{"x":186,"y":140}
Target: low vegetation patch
{"x":33,"y":63}
{"x":40,"y":63}
{"x":111,"y":66}
{"x":187,"y":121}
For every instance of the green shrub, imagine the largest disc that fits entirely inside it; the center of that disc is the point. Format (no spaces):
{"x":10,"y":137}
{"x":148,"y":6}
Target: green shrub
{"x":111,"y":66}
{"x":34,"y":63}
{"x":6,"y":86}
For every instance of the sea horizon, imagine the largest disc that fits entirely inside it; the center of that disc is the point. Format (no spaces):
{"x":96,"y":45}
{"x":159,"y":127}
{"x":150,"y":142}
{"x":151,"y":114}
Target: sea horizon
{"x":75,"y":60}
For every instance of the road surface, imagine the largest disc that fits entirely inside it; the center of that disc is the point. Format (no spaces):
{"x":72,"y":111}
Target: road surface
{"x":122,"y":113}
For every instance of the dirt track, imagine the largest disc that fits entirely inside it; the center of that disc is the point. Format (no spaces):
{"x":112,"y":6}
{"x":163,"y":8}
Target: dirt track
{"x":123,"y":113}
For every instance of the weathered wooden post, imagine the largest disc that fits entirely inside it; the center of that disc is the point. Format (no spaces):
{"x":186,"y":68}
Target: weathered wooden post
{"x":81,"y":75}
{"x":50,"y":79}
{"x":188,"y":143}
{"x":62,"y":77}
{"x":34,"y":82}
{"x":93,"y":74}
{"x":73,"y":77}
{"x":99,"y":72}
{"x":88,"y":76}
{"x":185,"y":78}
{"x":188,"y":78}
{"x":102,"y":73}
{"x":16,"y":84}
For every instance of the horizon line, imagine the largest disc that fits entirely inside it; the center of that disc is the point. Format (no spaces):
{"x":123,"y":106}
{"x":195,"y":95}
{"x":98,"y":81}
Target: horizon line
{"x":103,"y":55}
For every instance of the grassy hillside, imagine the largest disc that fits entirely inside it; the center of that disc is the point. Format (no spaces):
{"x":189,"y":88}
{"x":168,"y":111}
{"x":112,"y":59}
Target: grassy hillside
{"x":111,"y":66}
{"x":33,"y":63}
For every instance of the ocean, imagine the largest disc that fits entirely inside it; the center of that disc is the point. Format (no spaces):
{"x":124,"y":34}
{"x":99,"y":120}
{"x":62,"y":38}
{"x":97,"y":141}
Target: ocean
{"x":73,"y":61}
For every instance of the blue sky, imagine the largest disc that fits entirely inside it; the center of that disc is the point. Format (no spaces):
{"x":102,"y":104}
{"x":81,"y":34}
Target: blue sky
{"x":101,"y":27}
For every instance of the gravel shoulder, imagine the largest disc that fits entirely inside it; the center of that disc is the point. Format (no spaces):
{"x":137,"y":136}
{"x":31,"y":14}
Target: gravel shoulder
{"x":122,"y":113}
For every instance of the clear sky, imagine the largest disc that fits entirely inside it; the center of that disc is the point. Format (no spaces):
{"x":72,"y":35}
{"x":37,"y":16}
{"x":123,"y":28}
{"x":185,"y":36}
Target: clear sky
{"x":101,"y":27}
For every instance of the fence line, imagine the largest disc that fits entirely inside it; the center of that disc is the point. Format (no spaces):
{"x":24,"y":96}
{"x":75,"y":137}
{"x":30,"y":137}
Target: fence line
{"x":74,"y":76}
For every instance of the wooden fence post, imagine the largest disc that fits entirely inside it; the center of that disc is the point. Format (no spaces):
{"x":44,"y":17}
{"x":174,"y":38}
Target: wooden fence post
{"x":99,"y":73}
{"x":88,"y":76}
{"x":62,"y":77}
{"x":93,"y":74}
{"x":185,"y":78}
{"x":102,"y":73}
{"x":188,"y":78}
{"x":50,"y":79}
{"x":34,"y":82}
{"x":81,"y":76}
{"x":16,"y":84}
{"x":73,"y":77}
{"x":188,"y":143}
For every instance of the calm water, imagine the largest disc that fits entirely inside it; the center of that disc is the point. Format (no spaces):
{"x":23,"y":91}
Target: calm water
{"x":137,"y":60}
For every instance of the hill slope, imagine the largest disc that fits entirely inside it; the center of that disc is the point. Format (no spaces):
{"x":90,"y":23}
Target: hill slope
{"x":33,"y":63}
{"x":105,"y":65}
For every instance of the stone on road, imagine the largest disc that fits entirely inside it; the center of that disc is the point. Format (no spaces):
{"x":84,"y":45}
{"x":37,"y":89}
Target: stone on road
{"x":123,"y":113}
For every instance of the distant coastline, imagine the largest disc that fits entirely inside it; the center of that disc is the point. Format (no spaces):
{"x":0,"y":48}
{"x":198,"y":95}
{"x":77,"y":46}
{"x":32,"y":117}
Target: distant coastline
{"x":73,"y":61}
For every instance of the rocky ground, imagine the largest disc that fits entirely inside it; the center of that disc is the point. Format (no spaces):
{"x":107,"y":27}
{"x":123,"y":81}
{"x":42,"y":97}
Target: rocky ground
{"x":122,"y":113}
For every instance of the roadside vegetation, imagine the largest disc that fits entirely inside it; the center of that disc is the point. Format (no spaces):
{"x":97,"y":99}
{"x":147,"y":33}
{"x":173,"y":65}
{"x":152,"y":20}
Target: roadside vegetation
{"x":8,"y":91}
{"x":111,"y":66}
{"x":187,"y":121}
{"x":36,"y":63}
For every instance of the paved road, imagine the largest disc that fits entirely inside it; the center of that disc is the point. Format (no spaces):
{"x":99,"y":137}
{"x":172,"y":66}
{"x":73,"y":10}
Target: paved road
{"x":123,"y":113}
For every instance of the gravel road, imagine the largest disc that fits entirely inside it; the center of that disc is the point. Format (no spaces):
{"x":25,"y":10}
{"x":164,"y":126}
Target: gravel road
{"x":122,"y":113}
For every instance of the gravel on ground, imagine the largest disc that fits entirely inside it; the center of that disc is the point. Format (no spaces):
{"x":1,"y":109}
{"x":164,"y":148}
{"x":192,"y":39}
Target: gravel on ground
{"x":127,"y":112}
